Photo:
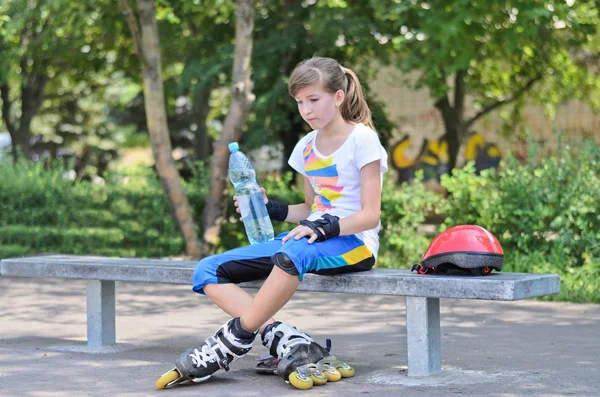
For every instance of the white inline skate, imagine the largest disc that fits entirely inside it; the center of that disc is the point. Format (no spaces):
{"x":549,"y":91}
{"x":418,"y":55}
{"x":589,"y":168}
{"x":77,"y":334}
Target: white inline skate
{"x":298,"y":359}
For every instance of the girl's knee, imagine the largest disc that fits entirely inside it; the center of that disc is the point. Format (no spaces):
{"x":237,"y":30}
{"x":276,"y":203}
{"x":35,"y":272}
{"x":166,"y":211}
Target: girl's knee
{"x":284,"y":262}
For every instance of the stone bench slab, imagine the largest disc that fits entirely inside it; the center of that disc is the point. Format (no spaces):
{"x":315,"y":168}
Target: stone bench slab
{"x":497,"y":286}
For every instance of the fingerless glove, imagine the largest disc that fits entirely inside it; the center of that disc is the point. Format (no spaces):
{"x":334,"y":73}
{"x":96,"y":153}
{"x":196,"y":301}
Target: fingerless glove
{"x":329,"y":223}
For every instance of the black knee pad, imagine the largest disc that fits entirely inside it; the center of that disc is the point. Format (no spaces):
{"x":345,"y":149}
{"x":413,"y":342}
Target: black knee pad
{"x":284,"y":262}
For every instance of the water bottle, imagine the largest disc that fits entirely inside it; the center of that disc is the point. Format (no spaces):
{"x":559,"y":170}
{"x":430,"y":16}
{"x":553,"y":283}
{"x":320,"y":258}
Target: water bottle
{"x":259,"y":228}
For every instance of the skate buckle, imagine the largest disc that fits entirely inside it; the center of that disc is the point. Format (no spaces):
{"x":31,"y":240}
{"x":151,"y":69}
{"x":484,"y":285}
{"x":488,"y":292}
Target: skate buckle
{"x":224,"y":364}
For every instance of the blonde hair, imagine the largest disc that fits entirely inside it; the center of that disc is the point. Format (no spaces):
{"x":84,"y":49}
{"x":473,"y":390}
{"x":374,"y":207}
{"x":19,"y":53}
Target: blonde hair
{"x":333,"y":77}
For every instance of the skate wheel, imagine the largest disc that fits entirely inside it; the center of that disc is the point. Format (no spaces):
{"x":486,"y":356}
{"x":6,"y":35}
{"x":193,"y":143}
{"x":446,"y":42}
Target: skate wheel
{"x":319,"y":380}
{"x":346,"y":371}
{"x":333,"y":375}
{"x":299,"y":383}
{"x":167,"y":378}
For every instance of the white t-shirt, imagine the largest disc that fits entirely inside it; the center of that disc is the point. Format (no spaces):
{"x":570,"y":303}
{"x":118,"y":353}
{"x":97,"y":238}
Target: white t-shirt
{"x":336,"y":178}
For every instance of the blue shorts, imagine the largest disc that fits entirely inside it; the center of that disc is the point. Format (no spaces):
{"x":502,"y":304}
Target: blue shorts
{"x":340,"y":254}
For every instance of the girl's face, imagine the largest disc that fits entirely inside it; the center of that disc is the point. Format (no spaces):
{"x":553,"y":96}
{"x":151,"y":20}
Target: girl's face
{"x":317,"y":106}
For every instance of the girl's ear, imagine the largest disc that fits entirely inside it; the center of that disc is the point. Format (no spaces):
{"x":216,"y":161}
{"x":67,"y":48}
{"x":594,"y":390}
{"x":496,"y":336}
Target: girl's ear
{"x":339,"y":98}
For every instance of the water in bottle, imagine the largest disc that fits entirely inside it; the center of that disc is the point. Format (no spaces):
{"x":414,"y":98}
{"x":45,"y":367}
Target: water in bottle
{"x":259,"y":228}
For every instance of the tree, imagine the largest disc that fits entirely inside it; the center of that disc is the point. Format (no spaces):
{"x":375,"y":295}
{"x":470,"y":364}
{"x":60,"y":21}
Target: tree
{"x":242,"y":99}
{"x":495,"y":52}
{"x":144,"y":33}
{"x":288,"y":32}
{"x":45,"y":42}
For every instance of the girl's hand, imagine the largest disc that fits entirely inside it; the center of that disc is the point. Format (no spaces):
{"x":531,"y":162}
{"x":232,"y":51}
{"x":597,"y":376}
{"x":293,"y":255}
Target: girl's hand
{"x":237,"y":206}
{"x":301,"y":231}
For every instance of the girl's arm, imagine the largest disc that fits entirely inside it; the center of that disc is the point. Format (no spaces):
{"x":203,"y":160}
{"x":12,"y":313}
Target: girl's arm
{"x":370,"y":198}
{"x":296,"y":212}
{"x":299,"y":212}
{"x":365,"y":219}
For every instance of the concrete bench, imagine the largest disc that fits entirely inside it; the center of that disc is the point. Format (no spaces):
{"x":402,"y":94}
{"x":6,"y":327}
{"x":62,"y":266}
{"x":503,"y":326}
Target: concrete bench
{"x":422,"y":292}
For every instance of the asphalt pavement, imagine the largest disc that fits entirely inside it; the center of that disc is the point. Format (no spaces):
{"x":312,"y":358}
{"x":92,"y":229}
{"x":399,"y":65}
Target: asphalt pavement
{"x":525,"y":348}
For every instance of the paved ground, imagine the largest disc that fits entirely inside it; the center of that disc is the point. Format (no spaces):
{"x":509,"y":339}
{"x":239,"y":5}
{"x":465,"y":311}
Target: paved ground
{"x":489,"y":349}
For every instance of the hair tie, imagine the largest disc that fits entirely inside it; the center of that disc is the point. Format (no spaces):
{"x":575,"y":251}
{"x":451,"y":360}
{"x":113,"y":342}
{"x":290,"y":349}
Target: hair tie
{"x":343,"y":70}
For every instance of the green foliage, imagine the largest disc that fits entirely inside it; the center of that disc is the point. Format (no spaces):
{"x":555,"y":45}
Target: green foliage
{"x":498,"y":46}
{"x":289,"y":32}
{"x":577,"y":284}
{"x":546,"y":214}
{"x":403,"y":212}
{"x":534,"y":207}
{"x":41,"y":210}
{"x":56,"y":58}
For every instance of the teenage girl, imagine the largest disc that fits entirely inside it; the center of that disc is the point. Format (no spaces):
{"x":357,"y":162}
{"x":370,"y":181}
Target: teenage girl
{"x":342,"y":162}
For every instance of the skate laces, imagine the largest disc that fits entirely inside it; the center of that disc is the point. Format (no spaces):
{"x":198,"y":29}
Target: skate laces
{"x":203,"y":356}
{"x":216,"y":349}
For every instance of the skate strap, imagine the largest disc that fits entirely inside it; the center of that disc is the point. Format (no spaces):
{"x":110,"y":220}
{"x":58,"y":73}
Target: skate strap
{"x":284,"y":338}
{"x":215,"y":346}
{"x":273,"y":350}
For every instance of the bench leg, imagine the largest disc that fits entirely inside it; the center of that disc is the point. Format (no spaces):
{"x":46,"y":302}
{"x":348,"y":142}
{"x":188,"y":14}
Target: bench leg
{"x":101,"y":313}
{"x":423,"y":336}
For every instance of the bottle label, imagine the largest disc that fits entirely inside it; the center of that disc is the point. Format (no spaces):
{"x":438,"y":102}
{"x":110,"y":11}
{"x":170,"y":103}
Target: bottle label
{"x":244,"y":205}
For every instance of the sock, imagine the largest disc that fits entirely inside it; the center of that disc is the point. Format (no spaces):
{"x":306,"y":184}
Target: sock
{"x":238,"y":331}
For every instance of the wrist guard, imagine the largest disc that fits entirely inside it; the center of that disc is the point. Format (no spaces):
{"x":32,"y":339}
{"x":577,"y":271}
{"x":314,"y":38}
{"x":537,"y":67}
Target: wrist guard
{"x":278,"y":210}
{"x":329,"y":223}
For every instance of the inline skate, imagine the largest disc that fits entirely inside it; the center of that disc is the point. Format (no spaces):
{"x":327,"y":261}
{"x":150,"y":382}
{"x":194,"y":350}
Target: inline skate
{"x":298,"y":359}
{"x":230,"y":343}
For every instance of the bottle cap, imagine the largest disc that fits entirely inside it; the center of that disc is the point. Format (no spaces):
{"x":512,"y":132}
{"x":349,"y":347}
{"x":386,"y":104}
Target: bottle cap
{"x":233,"y":147}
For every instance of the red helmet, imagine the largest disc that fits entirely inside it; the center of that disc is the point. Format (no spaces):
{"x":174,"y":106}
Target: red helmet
{"x":462,"y":247}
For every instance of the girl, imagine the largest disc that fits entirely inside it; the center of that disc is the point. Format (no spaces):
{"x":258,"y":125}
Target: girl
{"x":342,"y":162}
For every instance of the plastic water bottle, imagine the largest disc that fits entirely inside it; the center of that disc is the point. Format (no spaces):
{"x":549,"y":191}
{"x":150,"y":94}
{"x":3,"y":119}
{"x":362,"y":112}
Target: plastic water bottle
{"x":259,"y":228}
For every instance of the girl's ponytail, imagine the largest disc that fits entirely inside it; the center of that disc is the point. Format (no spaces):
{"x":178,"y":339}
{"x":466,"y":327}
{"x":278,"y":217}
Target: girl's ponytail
{"x":355,"y":107}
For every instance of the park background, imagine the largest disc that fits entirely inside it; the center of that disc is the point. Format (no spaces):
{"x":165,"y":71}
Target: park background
{"x":116,"y":116}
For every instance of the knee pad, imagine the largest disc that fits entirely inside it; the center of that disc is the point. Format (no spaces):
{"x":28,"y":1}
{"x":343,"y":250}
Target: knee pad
{"x":284,"y":262}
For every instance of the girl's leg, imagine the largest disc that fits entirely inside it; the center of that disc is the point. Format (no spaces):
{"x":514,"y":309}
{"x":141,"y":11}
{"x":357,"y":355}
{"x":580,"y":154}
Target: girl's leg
{"x":272,"y":296}
{"x":232,"y":299}
{"x":217,"y":276}
{"x":342,"y":254}
{"x":294,"y":349}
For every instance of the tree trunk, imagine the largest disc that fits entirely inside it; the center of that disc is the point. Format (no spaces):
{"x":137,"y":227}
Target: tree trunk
{"x":451,"y":130}
{"x":201,"y":108}
{"x":7,"y":116}
{"x":453,"y":117}
{"x":241,"y":101}
{"x":455,"y":124}
{"x":148,"y":51}
{"x":32,"y":96}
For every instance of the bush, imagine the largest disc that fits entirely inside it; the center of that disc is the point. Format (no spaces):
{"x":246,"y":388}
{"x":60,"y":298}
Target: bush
{"x":41,"y":210}
{"x":546,"y":215}
{"x":534,"y":207}
{"x":403,"y":213}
